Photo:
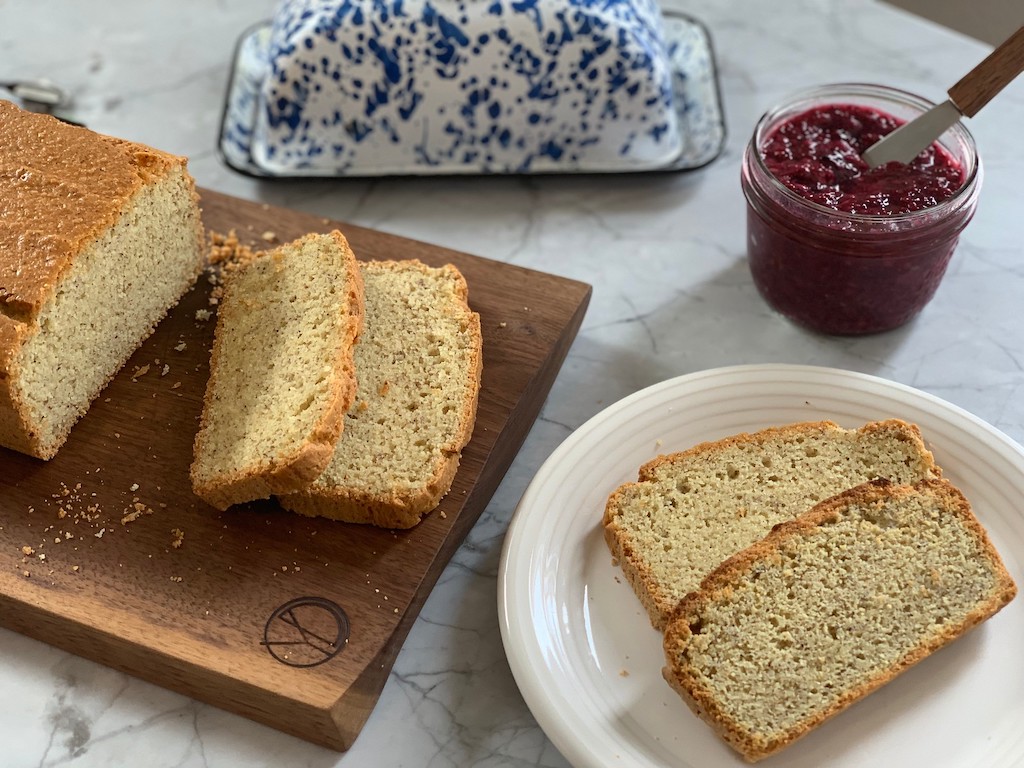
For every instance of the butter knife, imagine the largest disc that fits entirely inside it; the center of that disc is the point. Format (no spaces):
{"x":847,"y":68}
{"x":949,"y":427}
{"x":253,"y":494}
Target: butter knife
{"x":966,"y":98}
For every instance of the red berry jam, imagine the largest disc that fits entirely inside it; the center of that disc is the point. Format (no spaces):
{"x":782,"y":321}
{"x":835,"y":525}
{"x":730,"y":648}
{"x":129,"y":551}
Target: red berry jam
{"x":838,"y":247}
{"x":817,"y":154}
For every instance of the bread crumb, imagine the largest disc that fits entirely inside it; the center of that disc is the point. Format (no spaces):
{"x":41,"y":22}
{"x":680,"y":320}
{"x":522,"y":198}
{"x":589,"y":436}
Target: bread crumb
{"x":175,"y":385}
{"x":99,"y":533}
{"x":176,"y":579}
{"x":140,"y":370}
{"x":133,"y":487}
{"x":134,"y":514}
{"x":180,"y":347}
{"x":74,"y":567}
{"x":226,"y":248}
{"x":443,"y":514}
{"x":165,"y":370}
{"x":177,"y":538}
{"x":269,"y":236}
{"x":27,"y":551}
{"x":502,"y":324}
{"x":26,"y":574}
{"x":202,"y":315}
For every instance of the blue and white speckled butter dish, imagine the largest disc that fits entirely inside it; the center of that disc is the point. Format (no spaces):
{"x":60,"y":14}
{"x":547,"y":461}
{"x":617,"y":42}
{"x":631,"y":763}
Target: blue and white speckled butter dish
{"x":335,"y":88}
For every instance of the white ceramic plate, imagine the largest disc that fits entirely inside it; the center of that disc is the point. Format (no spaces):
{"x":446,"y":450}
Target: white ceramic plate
{"x":589,"y":664}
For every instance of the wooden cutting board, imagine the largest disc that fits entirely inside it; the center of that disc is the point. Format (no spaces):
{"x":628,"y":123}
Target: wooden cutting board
{"x":290,"y":621}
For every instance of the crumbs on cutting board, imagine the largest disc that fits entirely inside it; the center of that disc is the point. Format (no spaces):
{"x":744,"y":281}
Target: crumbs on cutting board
{"x":79,"y":518}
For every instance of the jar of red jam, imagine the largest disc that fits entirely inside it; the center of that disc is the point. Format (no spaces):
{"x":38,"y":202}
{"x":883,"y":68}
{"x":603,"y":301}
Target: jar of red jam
{"x":837,"y":247}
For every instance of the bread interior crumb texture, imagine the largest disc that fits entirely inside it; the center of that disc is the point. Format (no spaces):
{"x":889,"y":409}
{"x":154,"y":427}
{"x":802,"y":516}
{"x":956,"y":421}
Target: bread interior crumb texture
{"x":412,"y":382}
{"x":830,"y":611}
{"x":693,"y":510}
{"x":114,"y":293}
{"x":280,"y":321}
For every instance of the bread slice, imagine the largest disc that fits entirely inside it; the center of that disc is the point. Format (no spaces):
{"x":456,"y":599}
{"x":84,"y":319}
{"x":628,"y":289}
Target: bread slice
{"x":829,"y":607}
{"x":691,"y":510}
{"x":419,"y":365}
{"x":281,"y":372}
{"x":99,"y":237}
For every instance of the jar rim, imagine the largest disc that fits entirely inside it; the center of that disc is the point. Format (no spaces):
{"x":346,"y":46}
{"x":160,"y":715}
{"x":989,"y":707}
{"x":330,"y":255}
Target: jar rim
{"x":866,"y":90}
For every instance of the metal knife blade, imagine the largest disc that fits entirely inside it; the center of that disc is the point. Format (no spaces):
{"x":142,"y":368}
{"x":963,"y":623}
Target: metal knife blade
{"x":907,"y":141}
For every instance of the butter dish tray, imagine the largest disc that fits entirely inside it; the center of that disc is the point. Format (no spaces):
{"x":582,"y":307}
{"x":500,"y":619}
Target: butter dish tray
{"x":665,"y":111}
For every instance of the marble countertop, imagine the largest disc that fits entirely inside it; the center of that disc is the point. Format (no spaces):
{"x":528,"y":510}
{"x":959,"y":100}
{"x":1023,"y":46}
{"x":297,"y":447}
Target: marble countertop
{"x":672,"y":294}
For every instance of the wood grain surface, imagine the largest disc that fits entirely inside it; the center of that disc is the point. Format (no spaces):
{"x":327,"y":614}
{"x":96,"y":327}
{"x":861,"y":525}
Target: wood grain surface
{"x":979,"y":86}
{"x":106,"y":553}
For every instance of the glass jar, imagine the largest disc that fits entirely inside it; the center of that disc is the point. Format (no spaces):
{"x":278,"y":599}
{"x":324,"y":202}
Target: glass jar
{"x":846,"y":273}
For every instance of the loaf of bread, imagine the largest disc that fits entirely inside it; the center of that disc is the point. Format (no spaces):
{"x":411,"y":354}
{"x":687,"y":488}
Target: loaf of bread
{"x":692,"y":510}
{"x":281,"y":372}
{"x":99,"y":237}
{"x":829,"y":607}
{"x":418,"y":364}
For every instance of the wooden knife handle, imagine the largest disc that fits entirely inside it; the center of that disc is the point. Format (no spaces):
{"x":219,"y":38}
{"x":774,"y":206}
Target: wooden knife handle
{"x":978,"y":86}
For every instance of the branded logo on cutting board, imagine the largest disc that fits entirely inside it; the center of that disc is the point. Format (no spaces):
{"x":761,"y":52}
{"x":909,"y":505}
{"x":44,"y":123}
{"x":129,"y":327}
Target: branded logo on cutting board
{"x":306,"y":631}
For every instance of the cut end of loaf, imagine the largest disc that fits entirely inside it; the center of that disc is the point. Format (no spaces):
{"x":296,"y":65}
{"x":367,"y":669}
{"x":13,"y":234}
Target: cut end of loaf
{"x":281,"y":372}
{"x":108,"y":301}
{"x":831,"y":606}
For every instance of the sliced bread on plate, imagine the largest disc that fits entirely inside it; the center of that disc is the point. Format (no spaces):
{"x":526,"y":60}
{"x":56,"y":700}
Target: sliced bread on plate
{"x":829,"y":607}
{"x":689,"y":511}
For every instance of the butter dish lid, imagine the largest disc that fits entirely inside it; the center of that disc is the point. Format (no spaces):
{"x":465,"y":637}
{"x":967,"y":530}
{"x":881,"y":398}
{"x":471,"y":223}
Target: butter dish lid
{"x":505,"y":91}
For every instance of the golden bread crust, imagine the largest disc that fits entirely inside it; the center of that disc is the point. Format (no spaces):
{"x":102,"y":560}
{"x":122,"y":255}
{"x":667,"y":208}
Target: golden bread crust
{"x":61,"y":187}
